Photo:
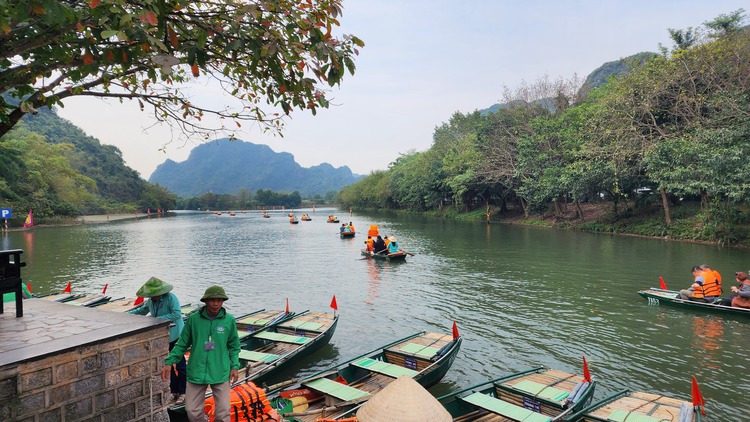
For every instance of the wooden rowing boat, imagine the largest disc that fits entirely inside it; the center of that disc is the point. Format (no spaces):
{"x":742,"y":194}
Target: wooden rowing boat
{"x":637,"y":406}
{"x":294,"y":221}
{"x":271,"y":339}
{"x":118,"y":305}
{"x":535,"y":395}
{"x":347,"y":235}
{"x":89,"y":301}
{"x":340,"y":390}
{"x":656,"y":296}
{"x":398,"y":256}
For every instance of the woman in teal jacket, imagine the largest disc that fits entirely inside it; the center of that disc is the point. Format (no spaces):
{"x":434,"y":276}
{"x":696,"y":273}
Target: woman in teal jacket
{"x":211,"y":335}
{"x":163,"y":304}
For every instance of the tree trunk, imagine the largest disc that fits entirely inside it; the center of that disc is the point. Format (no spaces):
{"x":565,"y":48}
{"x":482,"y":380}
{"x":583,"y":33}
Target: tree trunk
{"x":523,"y":207}
{"x":665,"y":205}
{"x":558,"y":210}
{"x":579,"y":210}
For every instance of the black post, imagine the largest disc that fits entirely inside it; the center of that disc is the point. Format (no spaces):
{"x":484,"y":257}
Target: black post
{"x":10,"y":277}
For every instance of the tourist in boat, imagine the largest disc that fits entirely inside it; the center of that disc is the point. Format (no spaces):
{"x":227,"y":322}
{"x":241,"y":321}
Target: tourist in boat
{"x":351,"y":227}
{"x":740,"y":297}
{"x":386,"y":240}
{"x":344,"y":228}
{"x":702,"y":290}
{"x":369,"y":244}
{"x":379,"y":245}
{"x":211,"y":336}
{"x":392,"y":245}
{"x":709,"y":273}
{"x":163,"y":304}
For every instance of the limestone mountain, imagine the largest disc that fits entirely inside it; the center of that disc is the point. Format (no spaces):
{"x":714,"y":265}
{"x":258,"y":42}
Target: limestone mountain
{"x":225,"y":167}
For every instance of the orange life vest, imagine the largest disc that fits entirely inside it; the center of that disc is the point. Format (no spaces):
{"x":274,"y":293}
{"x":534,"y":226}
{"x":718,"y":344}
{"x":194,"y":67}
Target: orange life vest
{"x":247,"y":402}
{"x":711,"y":286}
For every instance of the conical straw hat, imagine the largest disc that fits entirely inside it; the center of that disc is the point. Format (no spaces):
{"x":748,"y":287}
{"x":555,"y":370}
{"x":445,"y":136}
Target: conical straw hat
{"x":403,"y":400}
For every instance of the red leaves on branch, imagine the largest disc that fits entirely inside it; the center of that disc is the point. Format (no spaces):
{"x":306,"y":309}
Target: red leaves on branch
{"x":173,"y":37}
{"x":196,"y":71}
{"x":88,"y":58}
{"x":94,"y":3}
{"x":150,"y":17}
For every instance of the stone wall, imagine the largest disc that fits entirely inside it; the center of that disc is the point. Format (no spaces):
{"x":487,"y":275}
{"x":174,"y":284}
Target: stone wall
{"x":115,"y":380}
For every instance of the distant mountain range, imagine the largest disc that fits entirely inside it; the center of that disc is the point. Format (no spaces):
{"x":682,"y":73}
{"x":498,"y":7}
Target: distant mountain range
{"x":225,"y":167}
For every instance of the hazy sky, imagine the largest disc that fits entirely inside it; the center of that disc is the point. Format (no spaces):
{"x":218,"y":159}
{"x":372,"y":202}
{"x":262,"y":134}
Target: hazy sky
{"x":423,"y":61}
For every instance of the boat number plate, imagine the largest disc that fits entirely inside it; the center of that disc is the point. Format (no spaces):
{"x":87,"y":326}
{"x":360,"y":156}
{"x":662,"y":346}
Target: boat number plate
{"x":532,"y":405}
{"x":653,"y":301}
{"x":410,"y":363}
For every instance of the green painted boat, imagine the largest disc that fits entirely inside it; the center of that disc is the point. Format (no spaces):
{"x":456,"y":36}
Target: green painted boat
{"x":656,"y":296}
{"x":340,"y":390}
{"x":637,"y":406}
{"x":534,"y":395}
{"x":398,"y":256}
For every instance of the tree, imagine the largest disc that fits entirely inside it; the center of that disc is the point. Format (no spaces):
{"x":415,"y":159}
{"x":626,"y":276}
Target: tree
{"x":281,"y":54}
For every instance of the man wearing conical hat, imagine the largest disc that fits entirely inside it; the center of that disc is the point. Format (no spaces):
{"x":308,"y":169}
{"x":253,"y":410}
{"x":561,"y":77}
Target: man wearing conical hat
{"x":211,"y":335}
{"x":162,"y":303}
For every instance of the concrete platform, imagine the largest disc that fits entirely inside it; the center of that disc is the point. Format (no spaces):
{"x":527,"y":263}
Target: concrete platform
{"x":49,"y":328}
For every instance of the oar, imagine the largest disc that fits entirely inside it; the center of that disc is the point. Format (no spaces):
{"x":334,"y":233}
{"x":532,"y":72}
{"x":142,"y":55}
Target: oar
{"x":408,"y":253}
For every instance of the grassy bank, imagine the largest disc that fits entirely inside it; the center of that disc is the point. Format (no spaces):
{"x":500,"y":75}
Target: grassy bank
{"x":723,"y":225}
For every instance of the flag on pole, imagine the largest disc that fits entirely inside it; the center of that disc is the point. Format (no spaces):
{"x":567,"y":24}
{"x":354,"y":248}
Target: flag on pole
{"x":287,"y":305}
{"x":662,"y":284}
{"x":29,"y":220}
{"x":698,"y":399}
{"x":105,"y":289}
{"x":586,"y":374}
{"x":455,"y":331}
{"x":138,"y":301}
{"x":28,"y":286}
{"x":334,"y":305}
{"x":67,"y":289}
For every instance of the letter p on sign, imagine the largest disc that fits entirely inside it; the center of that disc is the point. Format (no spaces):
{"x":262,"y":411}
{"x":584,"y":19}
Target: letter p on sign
{"x":6,"y":213}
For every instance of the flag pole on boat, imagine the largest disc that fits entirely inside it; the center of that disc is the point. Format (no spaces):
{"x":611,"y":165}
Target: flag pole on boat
{"x":334,"y":305}
{"x":662,"y":284}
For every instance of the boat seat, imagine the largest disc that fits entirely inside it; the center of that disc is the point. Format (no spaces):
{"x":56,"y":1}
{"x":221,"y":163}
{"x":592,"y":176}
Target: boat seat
{"x":542,"y":391}
{"x":385,"y":368}
{"x":303,"y":325}
{"x":509,"y":410}
{"x":251,"y":320}
{"x":243,"y":334}
{"x":284,"y":338}
{"x":419,"y":350}
{"x":620,"y":415}
{"x":336,"y":389}
{"x":257,"y":356}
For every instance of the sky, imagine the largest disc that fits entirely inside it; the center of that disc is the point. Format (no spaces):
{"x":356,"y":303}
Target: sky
{"x":423,"y":61}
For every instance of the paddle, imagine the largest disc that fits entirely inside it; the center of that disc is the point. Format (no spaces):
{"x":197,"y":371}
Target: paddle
{"x":408,"y":253}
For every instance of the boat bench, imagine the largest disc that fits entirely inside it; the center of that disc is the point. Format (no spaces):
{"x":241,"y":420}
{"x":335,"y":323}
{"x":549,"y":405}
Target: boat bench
{"x":385,"y":368}
{"x":257,"y":356}
{"x":621,"y":415}
{"x":251,"y":320}
{"x":509,"y":410}
{"x":302,"y":325}
{"x":418,"y":350}
{"x":336,"y":389}
{"x":284,"y":338}
{"x":542,"y":391}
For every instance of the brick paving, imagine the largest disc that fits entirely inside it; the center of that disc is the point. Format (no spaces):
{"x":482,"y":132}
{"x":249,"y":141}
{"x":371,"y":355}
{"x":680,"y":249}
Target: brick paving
{"x":48,"y":328}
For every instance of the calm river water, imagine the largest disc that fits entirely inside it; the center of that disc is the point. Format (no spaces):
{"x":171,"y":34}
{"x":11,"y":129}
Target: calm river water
{"x":521,"y":296}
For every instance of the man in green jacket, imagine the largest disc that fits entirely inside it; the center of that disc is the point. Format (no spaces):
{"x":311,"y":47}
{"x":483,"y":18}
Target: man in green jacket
{"x":211,"y":336}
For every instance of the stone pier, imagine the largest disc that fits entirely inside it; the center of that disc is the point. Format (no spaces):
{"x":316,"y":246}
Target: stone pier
{"x":67,"y":363}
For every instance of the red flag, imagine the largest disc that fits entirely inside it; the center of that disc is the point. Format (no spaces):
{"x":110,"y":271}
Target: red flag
{"x":586,"y":374}
{"x":455,"y":331}
{"x":287,"y":305}
{"x":67,"y":288}
{"x":698,"y":399}
{"x":334,"y":305}
{"x":662,"y":284}
{"x":28,"y":286}
{"x":29,"y":222}
{"x":105,"y":289}
{"x":138,"y":301}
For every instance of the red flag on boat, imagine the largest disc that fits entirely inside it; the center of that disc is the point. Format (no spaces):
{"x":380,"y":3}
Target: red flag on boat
{"x":29,"y":220}
{"x":455,"y":331}
{"x":662,"y":284}
{"x":334,"y":305}
{"x":138,"y":301}
{"x":28,"y":286}
{"x":287,"y":305}
{"x":67,"y":288}
{"x":104,"y":290}
{"x":698,"y":399}
{"x":586,"y":374}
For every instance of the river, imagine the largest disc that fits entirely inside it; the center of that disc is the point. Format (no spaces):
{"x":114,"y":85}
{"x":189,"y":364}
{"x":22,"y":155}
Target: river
{"x":520,"y":296}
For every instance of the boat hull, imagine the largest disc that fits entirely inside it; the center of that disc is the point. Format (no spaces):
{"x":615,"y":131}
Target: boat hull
{"x":635,"y":405}
{"x":398,"y":256}
{"x":669,"y":297}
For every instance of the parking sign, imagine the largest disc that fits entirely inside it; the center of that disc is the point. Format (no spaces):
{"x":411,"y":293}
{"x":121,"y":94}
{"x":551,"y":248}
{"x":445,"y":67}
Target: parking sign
{"x":6,"y":213}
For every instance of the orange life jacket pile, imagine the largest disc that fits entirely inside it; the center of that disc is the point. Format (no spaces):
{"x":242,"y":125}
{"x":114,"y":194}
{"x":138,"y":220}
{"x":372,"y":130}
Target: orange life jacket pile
{"x":247,"y":402}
